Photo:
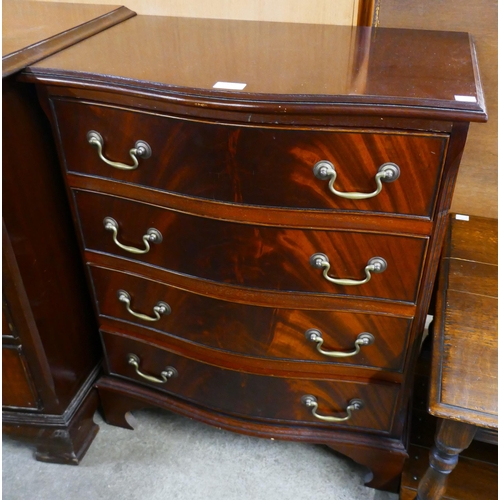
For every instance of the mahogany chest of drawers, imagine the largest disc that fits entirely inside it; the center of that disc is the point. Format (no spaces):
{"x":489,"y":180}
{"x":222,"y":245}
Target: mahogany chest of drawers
{"x":260,"y":209}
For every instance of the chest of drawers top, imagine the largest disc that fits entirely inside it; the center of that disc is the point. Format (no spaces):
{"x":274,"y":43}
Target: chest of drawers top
{"x":282,"y":69}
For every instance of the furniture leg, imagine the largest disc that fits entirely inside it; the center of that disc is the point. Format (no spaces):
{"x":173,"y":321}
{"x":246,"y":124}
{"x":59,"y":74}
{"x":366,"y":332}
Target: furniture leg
{"x":452,"y":438}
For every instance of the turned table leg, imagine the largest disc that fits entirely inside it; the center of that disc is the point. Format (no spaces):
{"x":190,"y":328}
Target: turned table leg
{"x":451,"y":438}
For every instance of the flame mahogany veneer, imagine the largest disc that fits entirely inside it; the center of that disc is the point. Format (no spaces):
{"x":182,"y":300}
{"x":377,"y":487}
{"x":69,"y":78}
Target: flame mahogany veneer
{"x":230,"y":187}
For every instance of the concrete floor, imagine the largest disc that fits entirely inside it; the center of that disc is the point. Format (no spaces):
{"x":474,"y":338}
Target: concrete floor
{"x":169,"y":457}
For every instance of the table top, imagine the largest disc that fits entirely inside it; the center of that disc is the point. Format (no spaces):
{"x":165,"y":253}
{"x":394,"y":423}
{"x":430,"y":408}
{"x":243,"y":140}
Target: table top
{"x":464,"y":381}
{"x":411,"y":73}
{"x":34,"y":30}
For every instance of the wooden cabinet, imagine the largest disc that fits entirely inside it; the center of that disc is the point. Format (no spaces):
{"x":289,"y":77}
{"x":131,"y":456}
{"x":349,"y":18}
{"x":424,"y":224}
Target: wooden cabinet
{"x":50,"y":348}
{"x":262,"y":259}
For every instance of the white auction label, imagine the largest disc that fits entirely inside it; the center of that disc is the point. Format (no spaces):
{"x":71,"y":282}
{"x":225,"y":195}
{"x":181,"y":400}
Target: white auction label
{"x":230,"y":85}
{"x":465,"y":98}
{"x":461,"y":217}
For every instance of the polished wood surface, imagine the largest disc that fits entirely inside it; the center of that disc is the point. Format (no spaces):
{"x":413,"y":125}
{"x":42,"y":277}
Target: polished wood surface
{"x":465,"y":364}
{"x":51,"y":350}
{"x":476,"y":192}
{"x":262,"y":332}
{"x":39,"y":225}
{"x":392,"y":89}
{"x":256,"y":166}
{"x":34,"y":30}
{"x":263,"y":257}
{"x":240,"y":394}
{"x":282,"y":62}
{"x":17,"y":386}
{"x":251,"y":296}
{"x":315,"y":11}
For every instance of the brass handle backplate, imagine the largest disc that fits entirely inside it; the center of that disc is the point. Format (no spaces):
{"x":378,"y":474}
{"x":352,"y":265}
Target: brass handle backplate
{"x":159,"y":310}
{"x":141,"y":149}
{"x":374,"y":265}
{"x":152,"y":236}
{"x":169,"y":372}
{"x":314,"y":335}
{"x":311,"y":402}
{"x":388,"y":172}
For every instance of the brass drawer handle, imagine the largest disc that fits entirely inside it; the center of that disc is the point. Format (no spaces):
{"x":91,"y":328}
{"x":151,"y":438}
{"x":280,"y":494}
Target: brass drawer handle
{"x":311,"y":402}
{"x":160,"y":309}
{"x":374,"y":265}
{"x":315,"y":335}
{"x":141,"y":149}
{"x":169,"y":372}
{"x":152,"y":236}
{"x":388,"y":172}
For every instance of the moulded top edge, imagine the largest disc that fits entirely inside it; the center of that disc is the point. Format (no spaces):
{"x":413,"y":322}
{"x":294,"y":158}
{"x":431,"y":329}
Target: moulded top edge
{"x":268,"y":62}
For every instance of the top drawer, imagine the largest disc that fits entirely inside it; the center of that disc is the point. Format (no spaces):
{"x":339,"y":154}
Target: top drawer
{"x":253,"y":165}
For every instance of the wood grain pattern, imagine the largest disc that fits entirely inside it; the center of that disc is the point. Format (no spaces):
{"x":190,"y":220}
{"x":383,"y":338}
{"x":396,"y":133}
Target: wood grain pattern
{"x":465,"y":363}
{"x":256,"y":257}
{"x":241,"y":394}
{"x":268,"y":333}
{"x":254,"y":214}
{"x":255,"y":253}
{"x":34,"y":30}
{"x":256,"y":166}
{"x":279,"y":63}
{"x":251,"y":296}
{"x":476,"y":192}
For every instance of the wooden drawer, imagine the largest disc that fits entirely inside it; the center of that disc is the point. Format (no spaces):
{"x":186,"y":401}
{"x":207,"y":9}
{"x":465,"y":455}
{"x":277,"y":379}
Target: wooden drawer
{"x":253,"y":256}
{"x":262,"y":332}
{"x":243,"y":394}
{"x":254,"y":165}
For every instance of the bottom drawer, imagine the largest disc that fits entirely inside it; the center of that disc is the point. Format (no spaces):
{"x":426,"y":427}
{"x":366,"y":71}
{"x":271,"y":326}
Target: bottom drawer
{"x":248,"y":395}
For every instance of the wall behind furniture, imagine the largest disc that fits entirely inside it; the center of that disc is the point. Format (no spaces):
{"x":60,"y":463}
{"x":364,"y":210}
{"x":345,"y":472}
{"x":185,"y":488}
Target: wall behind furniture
{"x":295,"y":11}
{"x":476,"y":191}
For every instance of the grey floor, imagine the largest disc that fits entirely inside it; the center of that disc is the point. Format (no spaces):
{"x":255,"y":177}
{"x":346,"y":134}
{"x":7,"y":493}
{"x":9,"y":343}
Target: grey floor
{"x":169,"y":457}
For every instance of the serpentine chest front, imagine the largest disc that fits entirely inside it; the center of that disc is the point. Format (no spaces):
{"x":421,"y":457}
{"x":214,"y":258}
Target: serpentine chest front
{"x":261,"y":223}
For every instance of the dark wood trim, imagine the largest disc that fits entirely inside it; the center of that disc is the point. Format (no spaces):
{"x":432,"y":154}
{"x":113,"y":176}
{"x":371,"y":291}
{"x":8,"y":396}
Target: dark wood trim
{"x":250,"y":296}
{"x":318,"y":219}
{"x":176,"y":110}
{"x":47,"y":419}
{"x":366,"y":10}
{"x":118,"y":398}
{"x":16,"y":61}
{"x":318,"y":105}
{"x":62,"y":439}
{"x":252,"y":365}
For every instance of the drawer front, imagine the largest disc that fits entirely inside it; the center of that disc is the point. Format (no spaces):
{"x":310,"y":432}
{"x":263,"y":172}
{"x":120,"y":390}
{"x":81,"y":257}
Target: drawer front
{"x":262,"y":332}
{"x":253,"y":256}
{"x":252,"y":396}
{"x":254,"y":165}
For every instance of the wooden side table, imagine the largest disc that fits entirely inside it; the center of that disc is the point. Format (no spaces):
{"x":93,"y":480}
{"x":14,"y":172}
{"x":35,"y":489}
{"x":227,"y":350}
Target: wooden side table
{"x":463,"y":385}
